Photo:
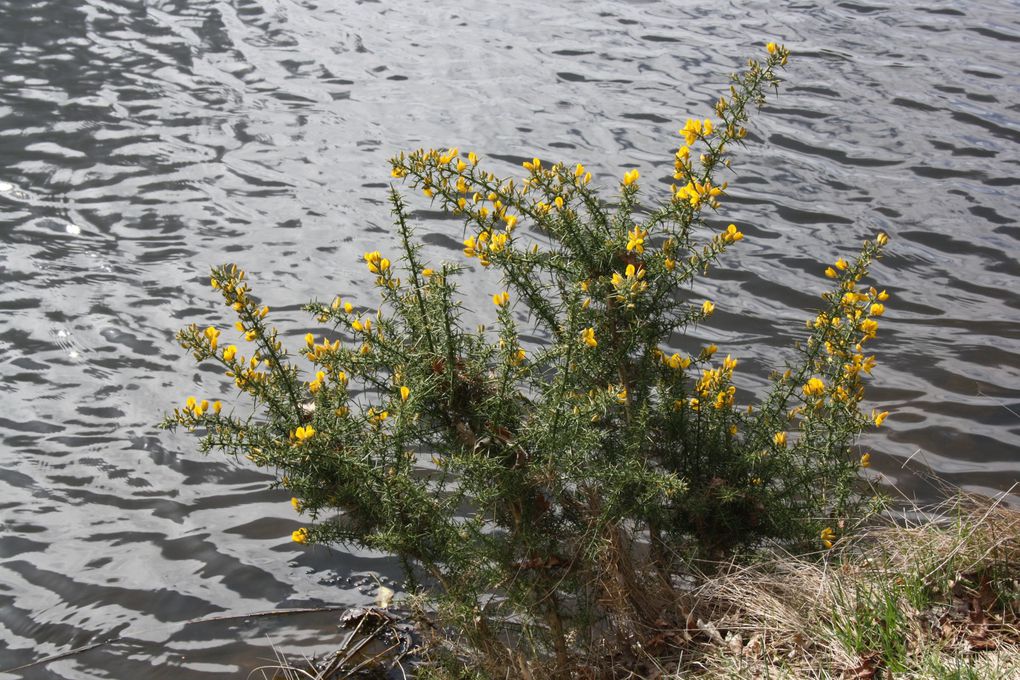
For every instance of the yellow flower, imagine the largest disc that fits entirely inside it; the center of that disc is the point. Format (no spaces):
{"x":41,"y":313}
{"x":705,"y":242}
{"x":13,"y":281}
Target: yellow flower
{"x":731,"y":234}
{"x":377,"y":264}
{"x":229,"y":352}
{"x":707,"y":308}
{"x":882,"y":239}
{"x":831,"y":273}
{"x":877,"y":309}
{"x":814,"y":387}
{"x":621,"y":396}
{"x":303,"y":433}
{"x":691,"y":131}
{"x":300,"y":536}
{"x":771,"y":47}
{"x":405,"y":392}
{"x":636,"y":239}
{"x":879,"y":418}
{"x":866,"y":460}
{"x":518,"y":357}
{"x":669,"y":264}
{"x":579,"y":170}
{"x":779,"y":439}
{"x":706,"y":127}
{"x":588,"y":336}
{"x":213,"y":335}
{"x":501,"y":299}
{"x":190,"y":403}
{"x":295,"y":503}
{"x":828,"y":536}
{"x":630,"y":177}
{"x":310,"y":340}
{"x":841,"y":264}
{"x":217,"y":407}
{"x":678,"y":362}
{"x":426,"y":272}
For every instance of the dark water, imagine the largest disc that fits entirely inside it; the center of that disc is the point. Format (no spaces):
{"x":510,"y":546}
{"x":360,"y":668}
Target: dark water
{"x":143,"y":141}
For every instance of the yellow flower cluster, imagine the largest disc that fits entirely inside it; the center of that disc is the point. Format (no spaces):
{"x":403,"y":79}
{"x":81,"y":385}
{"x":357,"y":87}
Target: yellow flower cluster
{"x":814,"y":387}
{"x":484,"y":245}
{"x":696,"y":193}
{"x":588,"y":337}
{"x":714,"y":384}
{"x":315,"y":385}
{"x":199,"y":408}
{"x":675,"y":361}
{"x":631,"y":283}
{"x":376,"y":417}
{"x":731,"y":234}
{"x":377,"y":264}
{"x":695,"y":129}
{"x":315,"y":352}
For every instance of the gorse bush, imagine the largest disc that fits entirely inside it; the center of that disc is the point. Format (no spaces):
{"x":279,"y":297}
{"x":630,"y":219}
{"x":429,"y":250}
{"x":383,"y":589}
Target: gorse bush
{"x":541,"y":492}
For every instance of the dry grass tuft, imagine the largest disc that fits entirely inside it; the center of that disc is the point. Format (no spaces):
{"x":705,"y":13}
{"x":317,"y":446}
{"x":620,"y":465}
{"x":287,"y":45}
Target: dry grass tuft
{"x":933,"y":598}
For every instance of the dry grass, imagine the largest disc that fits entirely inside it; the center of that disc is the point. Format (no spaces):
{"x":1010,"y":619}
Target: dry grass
{"x":934,"y":598}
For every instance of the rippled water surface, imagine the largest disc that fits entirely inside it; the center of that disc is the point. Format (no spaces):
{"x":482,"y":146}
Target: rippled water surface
{"x":143,"y":141}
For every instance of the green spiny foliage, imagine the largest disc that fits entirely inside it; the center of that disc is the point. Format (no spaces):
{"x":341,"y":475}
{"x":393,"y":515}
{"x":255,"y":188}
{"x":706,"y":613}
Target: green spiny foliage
{"x":515,"y":478}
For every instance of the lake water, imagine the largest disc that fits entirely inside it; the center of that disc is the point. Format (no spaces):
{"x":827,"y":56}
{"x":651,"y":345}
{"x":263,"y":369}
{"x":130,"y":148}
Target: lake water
{"x":142,"y":141}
